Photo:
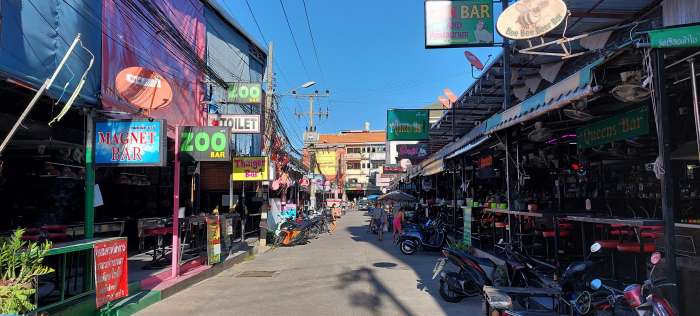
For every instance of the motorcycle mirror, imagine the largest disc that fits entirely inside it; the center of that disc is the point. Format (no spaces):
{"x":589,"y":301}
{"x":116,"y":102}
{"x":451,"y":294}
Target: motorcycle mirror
{"x":595,"y":247}
{"x":596,"y":284}
{"x":655,"y":258}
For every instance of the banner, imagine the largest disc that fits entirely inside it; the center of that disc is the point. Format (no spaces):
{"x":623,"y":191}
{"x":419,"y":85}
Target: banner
{"x":467,"y":219}
{"x":244,"y":92}
{"x":407,"y":125}
{"x":326,"y":162}
{"x":413,"y":152}
{"x":239,"y":123}
{"x":688,"y":36}
{"x":111,"y":272}
{"x":146,"y":69}
{"x":391,"y":168}
{"x":250,"y":169}
{"x":458,"y":23}
{"x":624,"y":126}
{"x":213,"y":240}
{"x":135,"y":143}
{"x":205,"y":143}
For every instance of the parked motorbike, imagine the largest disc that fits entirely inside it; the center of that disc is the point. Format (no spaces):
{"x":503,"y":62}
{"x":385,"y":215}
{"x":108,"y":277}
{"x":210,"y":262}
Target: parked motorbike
{"x":636,"y":299}
{"x":290,"y":232}
{"x":431,"y":236}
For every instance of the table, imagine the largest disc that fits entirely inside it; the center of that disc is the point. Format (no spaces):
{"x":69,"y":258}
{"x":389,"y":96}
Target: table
{"x":511,"y":213}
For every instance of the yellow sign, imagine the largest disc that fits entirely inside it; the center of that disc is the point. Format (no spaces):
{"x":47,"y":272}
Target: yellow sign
{"x":249,"y":169}
{"x":326,"y":161}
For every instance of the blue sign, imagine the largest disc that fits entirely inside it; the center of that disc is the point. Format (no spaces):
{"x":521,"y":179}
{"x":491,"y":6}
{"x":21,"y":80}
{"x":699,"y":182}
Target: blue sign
{"x":130,"y":143}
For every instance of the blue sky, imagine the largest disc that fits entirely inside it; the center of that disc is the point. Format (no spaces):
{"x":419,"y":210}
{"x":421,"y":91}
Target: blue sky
{"x":371,"y":54}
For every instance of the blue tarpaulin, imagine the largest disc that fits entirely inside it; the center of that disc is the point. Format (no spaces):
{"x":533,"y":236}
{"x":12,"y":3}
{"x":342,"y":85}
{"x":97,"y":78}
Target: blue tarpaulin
{"x":36,"y":34}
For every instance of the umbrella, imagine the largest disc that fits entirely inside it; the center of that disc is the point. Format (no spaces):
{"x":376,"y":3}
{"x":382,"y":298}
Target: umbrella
{"x":397,"y":196}
{"x":372,"y":197}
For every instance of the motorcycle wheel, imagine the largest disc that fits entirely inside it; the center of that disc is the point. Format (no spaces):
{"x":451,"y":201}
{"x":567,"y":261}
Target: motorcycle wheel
{"x":448,"y":295}
{"x":408,"y":247}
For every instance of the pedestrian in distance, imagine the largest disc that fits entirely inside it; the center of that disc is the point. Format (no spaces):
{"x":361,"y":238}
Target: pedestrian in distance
{"x":382,"y":223}
{"x":398,"y":230}
{"x":332,"y":220}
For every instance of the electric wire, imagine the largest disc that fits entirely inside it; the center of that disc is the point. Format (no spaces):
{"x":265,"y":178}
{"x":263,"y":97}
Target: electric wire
{"x":313,"y":41}
{"x":289,"y":26}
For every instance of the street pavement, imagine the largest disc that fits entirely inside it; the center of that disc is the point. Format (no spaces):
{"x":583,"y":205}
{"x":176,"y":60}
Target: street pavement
{"x":347,"y":273}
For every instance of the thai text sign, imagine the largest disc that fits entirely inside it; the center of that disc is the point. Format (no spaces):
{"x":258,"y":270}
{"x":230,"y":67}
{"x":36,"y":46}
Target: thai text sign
{"x":239,"y":123}
{"x":249,"y":169}
{"x":413,"y":152}
{"x":407,"y":124}
{"x":213,"y":240}
{"x":111,"y":273}
{"x":688,"y":36}
{"x":205,"y":143}
{"x":458,"y":23}
{"x":624,"y":126}
{"x":130,"y":143}
{"x":244,"y":93}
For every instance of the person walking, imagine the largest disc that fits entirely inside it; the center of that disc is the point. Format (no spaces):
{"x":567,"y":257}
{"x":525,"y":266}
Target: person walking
{"x":396,"y":223}
{"x":382,"y":223}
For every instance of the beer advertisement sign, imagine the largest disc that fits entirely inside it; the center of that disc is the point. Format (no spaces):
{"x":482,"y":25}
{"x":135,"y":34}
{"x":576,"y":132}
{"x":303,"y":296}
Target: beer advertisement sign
{"x":250,"y":169}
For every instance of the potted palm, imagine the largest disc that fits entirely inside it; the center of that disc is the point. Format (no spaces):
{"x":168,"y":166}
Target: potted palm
{"x":21,"y":262}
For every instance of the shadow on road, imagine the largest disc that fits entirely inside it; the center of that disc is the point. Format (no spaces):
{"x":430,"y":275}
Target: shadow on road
{"x":371,"y":301}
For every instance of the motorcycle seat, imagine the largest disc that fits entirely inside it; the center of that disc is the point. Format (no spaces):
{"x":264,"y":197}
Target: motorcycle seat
{"x":480,"y":261}
{"x":498,"y":299}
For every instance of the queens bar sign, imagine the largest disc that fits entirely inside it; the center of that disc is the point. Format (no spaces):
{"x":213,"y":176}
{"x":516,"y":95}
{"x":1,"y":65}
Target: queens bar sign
{"x":130,"y":143}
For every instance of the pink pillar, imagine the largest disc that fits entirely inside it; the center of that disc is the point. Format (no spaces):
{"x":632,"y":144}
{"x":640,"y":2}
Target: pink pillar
{"x":175,"y":265}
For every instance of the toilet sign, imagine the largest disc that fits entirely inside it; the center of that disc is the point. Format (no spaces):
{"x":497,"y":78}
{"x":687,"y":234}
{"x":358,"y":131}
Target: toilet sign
{"x":239,"y":123}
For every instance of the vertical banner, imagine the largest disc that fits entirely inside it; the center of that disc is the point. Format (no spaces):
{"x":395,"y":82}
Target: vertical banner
{"x":148,"y":69}
{"x":407,"y":124}
{"x":458,"y":23}
{"x":467,"y":218}
{"x":213,"y":240}
{"x":111,"y":271}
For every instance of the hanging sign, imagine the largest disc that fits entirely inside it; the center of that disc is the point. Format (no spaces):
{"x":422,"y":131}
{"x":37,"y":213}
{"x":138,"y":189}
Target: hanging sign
{"x":244,"y":93}
{"x":676,"y":37}
{"x":111,"y":272}
{"x":239,"y":123}
{"x":392,"y":168}
{"x":130,"y":143}
{"x":458,"y":23}
{"x":624,"y":126}
{"x":407,"y":124}
{"x":250,"y":169}
{"x":413,"y":152}
{"x":531,"y":18}
{"x":213,"y":239}
{"x":205,"y":143}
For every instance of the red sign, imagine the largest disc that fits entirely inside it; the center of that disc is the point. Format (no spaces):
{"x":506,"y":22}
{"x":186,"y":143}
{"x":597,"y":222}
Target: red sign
{"x":111,"y":272}
{"x":392,"y":169}
{"x":486,"y":162}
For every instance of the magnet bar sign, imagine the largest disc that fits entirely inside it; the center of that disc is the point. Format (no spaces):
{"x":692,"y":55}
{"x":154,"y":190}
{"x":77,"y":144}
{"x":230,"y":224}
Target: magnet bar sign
{"x":205,"y":143}
{"x":130,"y":143}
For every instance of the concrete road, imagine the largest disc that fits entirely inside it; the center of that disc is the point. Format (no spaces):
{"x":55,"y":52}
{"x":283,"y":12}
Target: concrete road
{"x":348,"y":273}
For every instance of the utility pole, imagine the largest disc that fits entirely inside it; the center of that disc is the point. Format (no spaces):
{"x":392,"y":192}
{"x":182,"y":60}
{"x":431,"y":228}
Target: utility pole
{"x":312,"y":129}
{"x":269,"y":130}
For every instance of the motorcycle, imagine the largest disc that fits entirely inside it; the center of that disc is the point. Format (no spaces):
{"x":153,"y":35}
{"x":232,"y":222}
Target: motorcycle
{"x":636,"y":299}
{"x":431,"y":236}
{"x":290,"y":232}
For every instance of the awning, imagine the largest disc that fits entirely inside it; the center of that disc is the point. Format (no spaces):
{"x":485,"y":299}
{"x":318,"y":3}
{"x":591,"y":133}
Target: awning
{"x":574,"y":87}
{"x":434,"y":167}
{"x":468,"y":147}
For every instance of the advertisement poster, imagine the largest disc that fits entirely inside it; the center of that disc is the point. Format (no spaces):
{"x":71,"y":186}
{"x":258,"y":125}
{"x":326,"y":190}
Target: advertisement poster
{"x":250,"y":169}
{"x":147,"y":73}
{"x":205,"y":143}
{"x":289,"y":211}
{"x":130,"y":143}
{"x":326,"y":162}
{"x":467,"y":216}
{"x":239,"y":123}
{"x":111,"y":272}
{"x":213,"y":240}
{"x":458,"y":23}
{"x":407,"y":124}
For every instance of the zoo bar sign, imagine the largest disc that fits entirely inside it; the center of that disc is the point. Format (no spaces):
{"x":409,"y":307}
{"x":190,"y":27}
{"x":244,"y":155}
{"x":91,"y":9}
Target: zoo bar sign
{"x":244,"y":93}
{"x":135,"y":143}
{"x":624,"y":126}
{"x":205,"y":143}
{"x":458,"y":23}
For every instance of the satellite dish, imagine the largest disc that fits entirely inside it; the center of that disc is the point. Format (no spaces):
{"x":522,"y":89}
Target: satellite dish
{"x":473,"y":60}
{"x":450,"y":95}
{"x":531,"y":18}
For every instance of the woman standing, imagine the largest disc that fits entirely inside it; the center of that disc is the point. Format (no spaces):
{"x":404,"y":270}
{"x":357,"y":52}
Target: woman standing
{"x":396,"y":223}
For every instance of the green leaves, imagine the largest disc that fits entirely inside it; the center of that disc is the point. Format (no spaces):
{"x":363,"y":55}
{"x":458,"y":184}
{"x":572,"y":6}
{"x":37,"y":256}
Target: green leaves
{"x":21,"y":263}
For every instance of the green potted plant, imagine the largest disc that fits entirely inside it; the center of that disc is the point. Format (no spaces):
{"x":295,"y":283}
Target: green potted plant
{"x":20,"y":263}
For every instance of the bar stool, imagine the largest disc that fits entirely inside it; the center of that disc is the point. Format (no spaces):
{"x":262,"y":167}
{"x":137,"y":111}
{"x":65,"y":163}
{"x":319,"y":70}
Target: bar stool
{"x":610,"y":246}
{"x":158,"y":254}
{"x":646,"y":245}
{"x":31,"y":234}
{"x":551,"y":234}
{"x":56,"y":233}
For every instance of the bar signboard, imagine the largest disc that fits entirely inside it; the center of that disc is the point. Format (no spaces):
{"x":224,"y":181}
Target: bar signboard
{"x":205,"y":143}
{"x":624,"y":126}
{"x":135,"y":143}
{"x":239,"y":123}
{"x":403,"y":124}
{"x":675,"y":37}
{"x":244,"y":93}
{"x":458,"y":23}
{"x":250,"y":169}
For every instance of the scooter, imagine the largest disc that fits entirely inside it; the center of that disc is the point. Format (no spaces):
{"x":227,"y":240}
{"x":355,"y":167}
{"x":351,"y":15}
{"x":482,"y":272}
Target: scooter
{"x":290,"y":233}
{"x":640,"y":300}
{"x":432,"y":236}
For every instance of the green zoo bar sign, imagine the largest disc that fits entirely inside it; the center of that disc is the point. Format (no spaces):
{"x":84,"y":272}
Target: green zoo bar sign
{"x":205,"y":143}
{"x":244,"y":93}
{"x":624,"y":126}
